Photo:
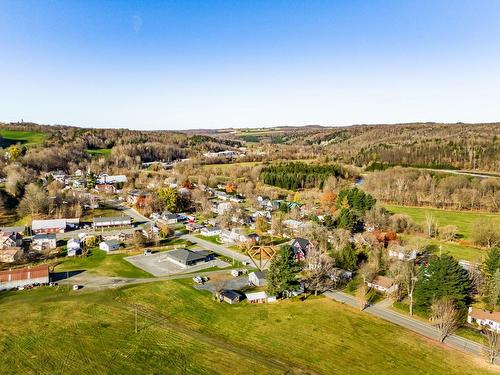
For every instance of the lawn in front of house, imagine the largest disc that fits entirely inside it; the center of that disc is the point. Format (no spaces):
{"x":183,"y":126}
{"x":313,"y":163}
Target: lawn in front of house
{"x":99,"y":262}
{"x":181,"y":330}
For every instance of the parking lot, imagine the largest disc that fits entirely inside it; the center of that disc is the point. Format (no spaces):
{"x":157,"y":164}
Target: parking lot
{"x":158,"y":264}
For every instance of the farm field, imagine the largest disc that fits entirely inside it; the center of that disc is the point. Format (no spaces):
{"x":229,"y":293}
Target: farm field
{"x":181,"y":330}
{"x":100,"y":263}
{"x":464,"y":220}
{"x":26,"y":138}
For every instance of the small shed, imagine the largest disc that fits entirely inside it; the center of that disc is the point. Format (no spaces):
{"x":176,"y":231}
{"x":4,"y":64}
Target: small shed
{"x":229,"y":296}
{"x":257,"y":278}
{"x":257,"y":297}
{"x":110,"y":245}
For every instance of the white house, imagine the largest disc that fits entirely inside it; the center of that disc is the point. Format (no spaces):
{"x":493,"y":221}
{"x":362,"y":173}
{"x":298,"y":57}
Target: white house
{"x":44,"y":241}
{"x":109,"y":245}
{"x":401,"y":253}
{"x":107,"y":179}
{"x":383,"y":284}
{"x":209,"y":232}
{"x":223,"y":207}
{"x":169,"y":218}
{"x":484,"y":318}
{"x":73,"y":247}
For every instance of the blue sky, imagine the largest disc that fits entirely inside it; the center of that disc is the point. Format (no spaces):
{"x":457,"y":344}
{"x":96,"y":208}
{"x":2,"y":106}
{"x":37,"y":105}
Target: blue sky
{"x":207,"y":64}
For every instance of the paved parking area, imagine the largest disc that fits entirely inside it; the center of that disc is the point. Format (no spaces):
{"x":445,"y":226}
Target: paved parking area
{"x":158,"y":264}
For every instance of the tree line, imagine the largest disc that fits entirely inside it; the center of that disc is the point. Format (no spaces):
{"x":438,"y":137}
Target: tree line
{"x":299,"y":175}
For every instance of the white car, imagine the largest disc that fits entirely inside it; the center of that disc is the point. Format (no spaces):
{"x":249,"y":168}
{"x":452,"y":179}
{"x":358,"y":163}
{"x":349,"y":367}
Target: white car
{"x":76,"y":287}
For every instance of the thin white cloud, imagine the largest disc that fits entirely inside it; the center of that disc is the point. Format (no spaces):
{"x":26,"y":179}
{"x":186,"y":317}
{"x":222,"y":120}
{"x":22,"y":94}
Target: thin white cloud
{"x":137,"y":23}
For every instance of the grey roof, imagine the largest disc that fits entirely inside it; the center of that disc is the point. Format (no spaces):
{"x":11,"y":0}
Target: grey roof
{"x":19,"y":229}
{"x":231,"y":294}
{"x":112,"y":242}
{"x":43,"y":236}
{"x":259,"y":274}
{"x":185,"y":255}
{"x":111,"y":218}
{"x":48,"y":224}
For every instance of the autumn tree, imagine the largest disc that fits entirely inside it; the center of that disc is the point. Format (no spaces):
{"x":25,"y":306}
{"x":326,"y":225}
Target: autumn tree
{"x":34,"y":202}
{"x":170,"y":198}
{"x":328,"y":200}
{"x":261,"y":225}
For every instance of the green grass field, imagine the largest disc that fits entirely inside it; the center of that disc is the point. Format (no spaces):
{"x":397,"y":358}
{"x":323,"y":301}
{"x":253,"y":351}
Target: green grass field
{"x":24,"y":137}
{"x":100,"y":212}
{"x":181,"y":330}
{"x":100,"y":263}
{"x":99,"y":151}
{"x":464,"y":220}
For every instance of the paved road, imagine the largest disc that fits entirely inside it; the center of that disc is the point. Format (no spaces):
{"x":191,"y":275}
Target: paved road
{"x":219,"y":249}
{"x":407,"y":322}
{"x":93,"y":282}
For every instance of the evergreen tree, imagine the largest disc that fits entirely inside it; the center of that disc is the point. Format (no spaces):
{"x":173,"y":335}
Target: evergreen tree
{"x":346,"y":219}
{"x":282,"y":274}
{"x":346,"y":258}
{"x":492,"y":262}
{"x":442,"y":278}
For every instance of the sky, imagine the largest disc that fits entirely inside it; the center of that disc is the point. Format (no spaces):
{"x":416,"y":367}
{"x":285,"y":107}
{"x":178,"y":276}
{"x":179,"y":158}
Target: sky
{"x":235,"y":63}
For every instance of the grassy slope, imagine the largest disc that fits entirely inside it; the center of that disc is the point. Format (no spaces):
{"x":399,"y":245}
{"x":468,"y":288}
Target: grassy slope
{"x":100,"y":263}
{"x":26,"y":138}
{"x":464,"y":221}
{"x":69,"y":332}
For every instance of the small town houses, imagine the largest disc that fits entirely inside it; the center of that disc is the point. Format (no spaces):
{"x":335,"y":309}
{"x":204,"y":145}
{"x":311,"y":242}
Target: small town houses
{"x":484,"y":319}
{"x":54,"y":225}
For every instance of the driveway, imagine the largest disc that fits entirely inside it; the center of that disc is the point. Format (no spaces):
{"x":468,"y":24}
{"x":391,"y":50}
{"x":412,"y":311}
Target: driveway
{"x":425,"y":329}
{"x":158,"y":264}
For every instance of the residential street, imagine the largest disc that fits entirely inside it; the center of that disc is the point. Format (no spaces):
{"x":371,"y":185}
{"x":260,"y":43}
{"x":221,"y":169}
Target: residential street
{"x":407,"y":322}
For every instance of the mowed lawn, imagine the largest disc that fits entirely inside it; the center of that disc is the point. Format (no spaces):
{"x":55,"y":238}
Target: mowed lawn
{"x":181,"y":330}
{"x":464,"y":220}
{"x":99,"y":151}
{"x":24,"y":137}
{"x":100,"y":263}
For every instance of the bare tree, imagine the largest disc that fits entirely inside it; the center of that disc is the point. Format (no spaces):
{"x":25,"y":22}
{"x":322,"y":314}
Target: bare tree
{"x":430,"y":225}
{"x":492,"y":347}
{"x":362,"y":296}
{"x":445,"y":317}
{"x":317,"y":274}
{"x":409,"y":280}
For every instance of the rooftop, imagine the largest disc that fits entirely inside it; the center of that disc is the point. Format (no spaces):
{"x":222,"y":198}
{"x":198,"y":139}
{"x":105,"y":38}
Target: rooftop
{"x":185,"y":255}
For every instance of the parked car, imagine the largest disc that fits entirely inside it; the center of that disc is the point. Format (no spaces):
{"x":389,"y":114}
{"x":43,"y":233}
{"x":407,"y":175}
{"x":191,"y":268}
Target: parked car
{"x":147,"y":252}
{"x":76,"y":287}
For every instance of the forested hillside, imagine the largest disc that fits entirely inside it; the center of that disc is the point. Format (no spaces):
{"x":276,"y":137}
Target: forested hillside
{"x":429,"y":145}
